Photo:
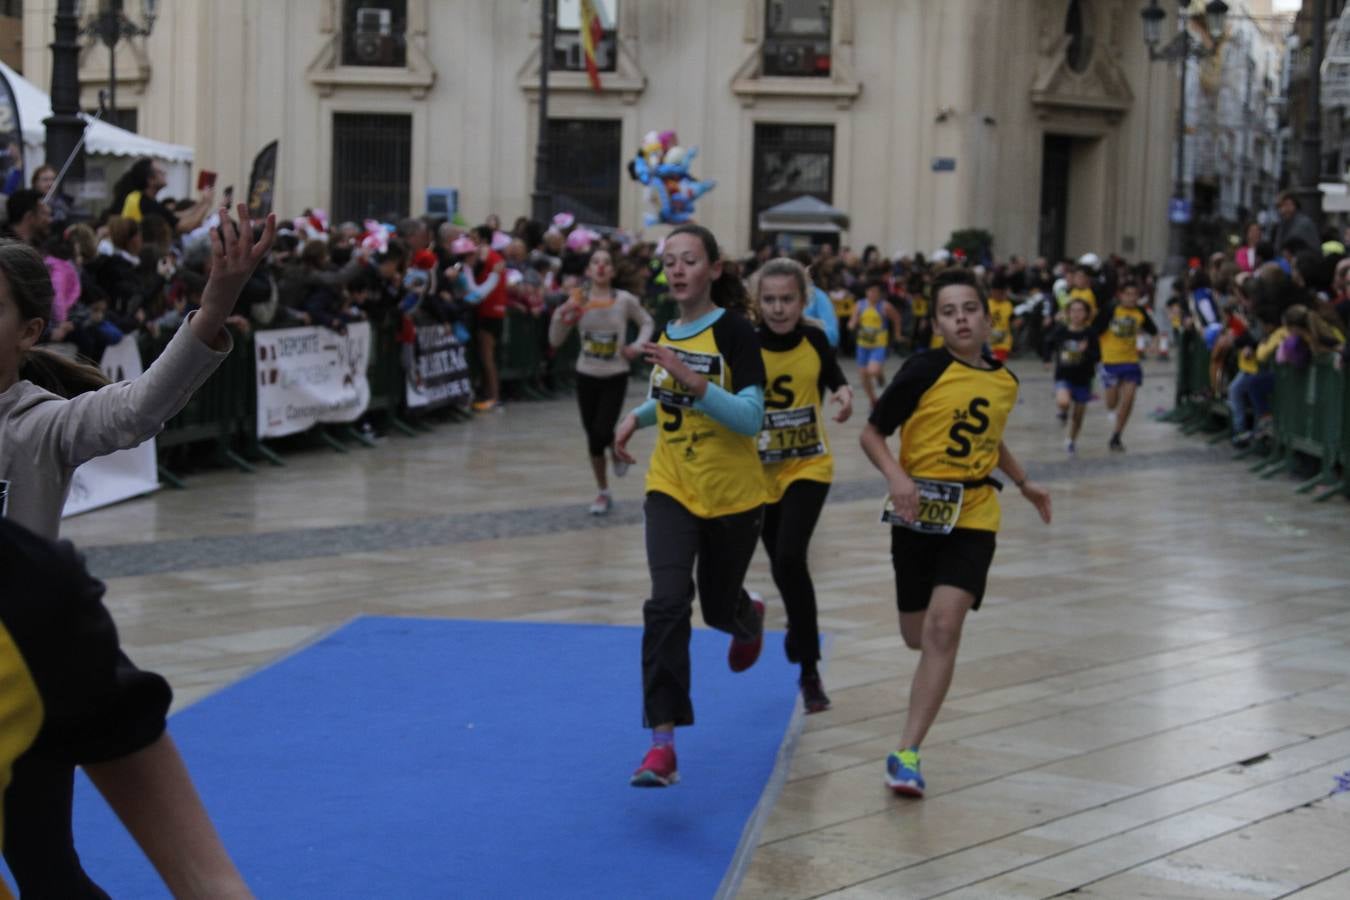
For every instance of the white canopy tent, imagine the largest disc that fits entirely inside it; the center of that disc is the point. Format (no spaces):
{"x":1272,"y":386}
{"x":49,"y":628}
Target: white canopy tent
{"x":109,"y":150}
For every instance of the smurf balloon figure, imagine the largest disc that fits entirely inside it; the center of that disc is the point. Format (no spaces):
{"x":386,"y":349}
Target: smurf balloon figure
{"x":663,"y":166}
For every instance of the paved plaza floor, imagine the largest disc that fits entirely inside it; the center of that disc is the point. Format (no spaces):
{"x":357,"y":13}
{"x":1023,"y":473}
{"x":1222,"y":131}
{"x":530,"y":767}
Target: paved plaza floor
{"x":1153,"y":702}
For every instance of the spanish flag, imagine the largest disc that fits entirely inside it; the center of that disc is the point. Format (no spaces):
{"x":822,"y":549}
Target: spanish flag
{"x":592,"y":32}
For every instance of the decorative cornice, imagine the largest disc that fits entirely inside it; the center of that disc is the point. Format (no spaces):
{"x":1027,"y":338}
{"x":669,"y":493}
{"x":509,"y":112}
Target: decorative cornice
{"x":1102,"y":89}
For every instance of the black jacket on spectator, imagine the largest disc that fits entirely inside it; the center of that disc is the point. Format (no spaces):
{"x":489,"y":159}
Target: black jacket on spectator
{"x":121,"y":281}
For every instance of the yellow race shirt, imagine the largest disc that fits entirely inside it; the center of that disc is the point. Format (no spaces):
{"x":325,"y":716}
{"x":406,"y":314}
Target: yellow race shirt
{"x":799,"y":367}
{"x":699,"y":462}
{"x":1001,"y":314}
{"x":1087,"y":296}
{"x":20,"y":714}
{"x":843,"y":302}
{"x":67,"y":693}
{"x":1119,"y":329}
{"x":873,"y":332}
{"x":951,"y":418}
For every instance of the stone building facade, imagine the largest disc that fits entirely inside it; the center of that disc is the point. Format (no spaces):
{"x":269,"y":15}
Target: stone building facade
{"x":1042,"y":121}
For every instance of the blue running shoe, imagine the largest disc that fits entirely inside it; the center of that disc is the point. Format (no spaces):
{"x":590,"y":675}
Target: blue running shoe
{"x":902,"y":773}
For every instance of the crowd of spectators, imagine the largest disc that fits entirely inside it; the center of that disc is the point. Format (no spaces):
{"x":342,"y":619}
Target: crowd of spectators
{"x":140,"y":267}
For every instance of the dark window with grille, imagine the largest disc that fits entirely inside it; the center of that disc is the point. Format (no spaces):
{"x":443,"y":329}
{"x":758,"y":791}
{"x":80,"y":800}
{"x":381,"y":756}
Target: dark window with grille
{"x":585,"y":162}
{"x":568,"y":55}
{"x":374,"y":32}
{"x":797,"y":38}
{"x":122,"y":118}
{"x":372,"y":166}
{"x":791,"y":161}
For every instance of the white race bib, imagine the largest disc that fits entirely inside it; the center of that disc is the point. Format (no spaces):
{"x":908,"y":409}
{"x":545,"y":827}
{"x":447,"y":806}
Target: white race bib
{"x":939,"y":507}
{"x":790,"y":434}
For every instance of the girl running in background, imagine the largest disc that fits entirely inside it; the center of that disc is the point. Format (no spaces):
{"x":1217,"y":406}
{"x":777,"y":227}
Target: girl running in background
{"x":1118,"y":326}
{"x":876,"y":323}
{"x":1001,"y":315}
{"x":705,"y":484}
{"x":800,"y":371}
{"x":602,"y":315}
{"x":54,"y":416}
{"x":1073,"y":349}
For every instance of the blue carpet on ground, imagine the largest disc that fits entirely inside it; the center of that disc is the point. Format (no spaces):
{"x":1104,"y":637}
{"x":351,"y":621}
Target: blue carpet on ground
{"x":418,"y":758}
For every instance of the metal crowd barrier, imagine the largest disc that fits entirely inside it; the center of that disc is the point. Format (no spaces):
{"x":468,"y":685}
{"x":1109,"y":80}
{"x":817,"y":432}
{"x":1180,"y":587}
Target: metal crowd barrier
{"x":223,"y":413}
{"x":1310,"y":412}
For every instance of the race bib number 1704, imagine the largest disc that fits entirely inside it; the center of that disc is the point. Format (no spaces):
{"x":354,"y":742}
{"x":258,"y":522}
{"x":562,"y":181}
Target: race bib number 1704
{"x":790,"y":434}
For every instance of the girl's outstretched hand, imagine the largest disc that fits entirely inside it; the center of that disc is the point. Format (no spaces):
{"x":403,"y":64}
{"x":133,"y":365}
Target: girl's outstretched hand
{"x":1038,"y":497}
{"x":234,"y":256}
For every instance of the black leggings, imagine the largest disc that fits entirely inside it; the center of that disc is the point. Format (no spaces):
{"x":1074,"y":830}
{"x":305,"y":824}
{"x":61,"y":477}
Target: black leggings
{"x":601,"y":401}
{"x":39,"y":842}
{"x":722,"y":548}
{"x":788,"y":525}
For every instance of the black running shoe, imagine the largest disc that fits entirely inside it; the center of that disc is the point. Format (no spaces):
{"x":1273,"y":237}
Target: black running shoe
{"x":813,"y":694}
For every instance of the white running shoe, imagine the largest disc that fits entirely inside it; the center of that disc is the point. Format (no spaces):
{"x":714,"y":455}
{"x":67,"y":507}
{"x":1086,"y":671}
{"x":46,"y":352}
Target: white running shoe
{"x":620,"y":467}
{"x":602,"y":504}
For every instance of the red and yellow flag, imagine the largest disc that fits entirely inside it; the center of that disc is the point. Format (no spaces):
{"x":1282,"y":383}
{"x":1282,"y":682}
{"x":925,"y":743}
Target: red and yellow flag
{"x":592,"y":32}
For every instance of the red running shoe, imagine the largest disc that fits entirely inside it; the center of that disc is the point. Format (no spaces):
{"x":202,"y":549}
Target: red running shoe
{"x":743,"y":654}
{"x":657,"y":769}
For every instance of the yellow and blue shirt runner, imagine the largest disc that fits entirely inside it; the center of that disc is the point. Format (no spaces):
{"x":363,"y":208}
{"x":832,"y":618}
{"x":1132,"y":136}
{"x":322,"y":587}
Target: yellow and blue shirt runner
{"x":708,"y":467}
{"x":1119,"y":328}
{"x":873,"y":333}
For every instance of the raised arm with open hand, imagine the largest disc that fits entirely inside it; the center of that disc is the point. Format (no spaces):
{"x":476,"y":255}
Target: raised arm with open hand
{"x":234,"y":256}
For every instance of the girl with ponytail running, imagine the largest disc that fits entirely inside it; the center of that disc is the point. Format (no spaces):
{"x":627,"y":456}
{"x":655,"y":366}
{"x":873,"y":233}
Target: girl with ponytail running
{"x":705,"y":485}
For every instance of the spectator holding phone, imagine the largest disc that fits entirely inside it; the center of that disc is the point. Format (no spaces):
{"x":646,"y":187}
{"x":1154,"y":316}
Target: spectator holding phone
{"x":134,"y":197}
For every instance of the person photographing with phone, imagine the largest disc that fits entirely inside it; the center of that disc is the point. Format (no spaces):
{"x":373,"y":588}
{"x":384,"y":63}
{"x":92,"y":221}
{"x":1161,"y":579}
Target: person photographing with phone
{"x":134,"y":197}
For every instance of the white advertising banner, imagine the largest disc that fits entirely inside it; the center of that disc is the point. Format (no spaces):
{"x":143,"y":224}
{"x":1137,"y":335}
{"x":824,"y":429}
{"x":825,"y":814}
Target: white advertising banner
{"x":127,"y":473}
{"x":311,"y":375}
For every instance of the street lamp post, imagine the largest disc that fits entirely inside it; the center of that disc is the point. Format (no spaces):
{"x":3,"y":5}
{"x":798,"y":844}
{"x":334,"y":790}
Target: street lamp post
{"x":541,"y":200}
{"x":1180,"y":50}
{"x":110,"y":25}
{"x":65,"y":127}
{"x":1310,"y":164}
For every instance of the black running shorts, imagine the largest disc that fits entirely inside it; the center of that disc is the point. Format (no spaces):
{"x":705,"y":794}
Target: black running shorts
{"x":923,"y":561}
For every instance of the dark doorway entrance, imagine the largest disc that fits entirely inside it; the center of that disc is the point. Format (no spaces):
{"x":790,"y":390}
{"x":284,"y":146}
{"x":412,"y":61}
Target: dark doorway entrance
{"x":1056,"y":155}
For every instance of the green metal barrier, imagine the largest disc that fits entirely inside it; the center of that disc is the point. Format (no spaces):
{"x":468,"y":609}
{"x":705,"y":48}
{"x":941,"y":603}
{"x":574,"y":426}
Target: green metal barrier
{"x":220,"y":408}
{"x":1197,"y":408}
{"x":1309,"y":416}
{"x":521,"y":356}
{"x":1343,"y":487}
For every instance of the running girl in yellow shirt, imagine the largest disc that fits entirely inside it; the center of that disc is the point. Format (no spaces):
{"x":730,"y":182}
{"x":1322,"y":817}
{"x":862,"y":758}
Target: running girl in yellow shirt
{"x":801,"y":374}
{"x":705,"y":484}
{"x":876,"y":323}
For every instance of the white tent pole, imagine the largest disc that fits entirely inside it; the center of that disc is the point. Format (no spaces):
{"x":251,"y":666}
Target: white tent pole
{"x":51,"y":191}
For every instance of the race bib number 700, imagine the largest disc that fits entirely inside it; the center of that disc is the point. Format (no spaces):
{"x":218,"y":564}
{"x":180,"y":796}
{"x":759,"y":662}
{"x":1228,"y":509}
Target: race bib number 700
{"x":939,"y":507}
